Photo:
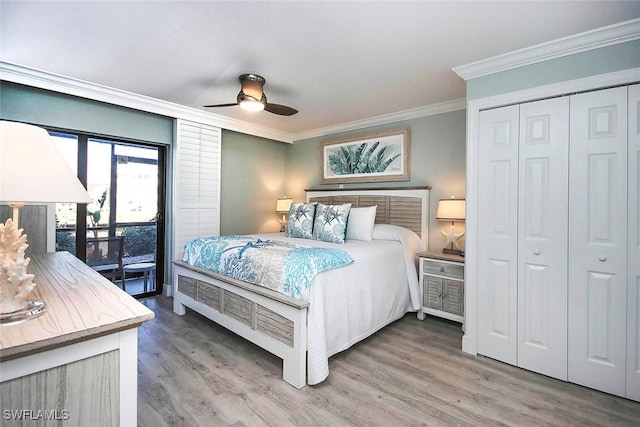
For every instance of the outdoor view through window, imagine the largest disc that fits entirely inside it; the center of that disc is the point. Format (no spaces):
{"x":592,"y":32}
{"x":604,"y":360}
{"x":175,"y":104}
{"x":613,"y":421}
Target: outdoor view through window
{"x":122,"y":180}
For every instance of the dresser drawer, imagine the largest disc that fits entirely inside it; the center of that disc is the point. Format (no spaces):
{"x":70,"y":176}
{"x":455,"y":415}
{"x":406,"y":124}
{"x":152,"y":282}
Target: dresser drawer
{"x":454,"y":271}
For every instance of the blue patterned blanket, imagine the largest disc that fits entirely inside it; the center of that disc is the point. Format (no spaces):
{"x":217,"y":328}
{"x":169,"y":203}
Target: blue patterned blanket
{"x":281,"y":266}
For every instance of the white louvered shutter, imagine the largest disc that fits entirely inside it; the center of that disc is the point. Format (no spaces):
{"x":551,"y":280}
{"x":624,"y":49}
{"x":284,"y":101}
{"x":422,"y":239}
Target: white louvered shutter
{"x":197,"y":183}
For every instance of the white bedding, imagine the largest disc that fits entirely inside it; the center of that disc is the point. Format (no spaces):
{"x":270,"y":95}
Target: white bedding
{"x":350,"y":303}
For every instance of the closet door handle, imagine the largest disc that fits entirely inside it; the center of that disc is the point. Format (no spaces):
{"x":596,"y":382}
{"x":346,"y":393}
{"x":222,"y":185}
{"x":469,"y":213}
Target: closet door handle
{"x":536,"y":252}
{"x":602,"y":258}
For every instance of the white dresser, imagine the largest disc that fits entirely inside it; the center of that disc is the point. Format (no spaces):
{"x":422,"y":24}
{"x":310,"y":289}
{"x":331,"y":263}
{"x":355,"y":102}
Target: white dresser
{"x":77,"y":362}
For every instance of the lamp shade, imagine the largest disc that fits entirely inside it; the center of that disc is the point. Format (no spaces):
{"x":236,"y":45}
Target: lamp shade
{"x":32,"y":169}
{"x":451,"y":210}
{"x":283,"y":205}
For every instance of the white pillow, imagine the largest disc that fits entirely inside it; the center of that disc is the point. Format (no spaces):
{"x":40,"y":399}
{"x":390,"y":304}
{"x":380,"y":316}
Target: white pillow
{"x":395,"y":232}
{"x":361,"y":222}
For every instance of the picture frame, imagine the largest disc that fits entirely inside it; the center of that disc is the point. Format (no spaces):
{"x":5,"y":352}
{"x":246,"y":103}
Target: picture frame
{"x":382,"y":156}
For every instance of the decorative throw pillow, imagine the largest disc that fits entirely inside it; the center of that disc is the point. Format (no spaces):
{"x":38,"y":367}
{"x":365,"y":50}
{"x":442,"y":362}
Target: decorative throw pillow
{"x":330,"y":224}
{"x":300,"y":222}
{"x":361,"y":222}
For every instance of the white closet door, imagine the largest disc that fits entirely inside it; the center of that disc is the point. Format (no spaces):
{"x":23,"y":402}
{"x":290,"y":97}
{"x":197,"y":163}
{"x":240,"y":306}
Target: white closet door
{"x":633,"y":297}
{"x":598,"y":240}
{"x":542,"y":231}
{"x":497,"y":237}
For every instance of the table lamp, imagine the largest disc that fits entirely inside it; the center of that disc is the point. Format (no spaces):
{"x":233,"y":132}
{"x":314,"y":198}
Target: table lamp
{"x":451,"y":210}
{"x":282,"y":206}
{"x":32,"y":169}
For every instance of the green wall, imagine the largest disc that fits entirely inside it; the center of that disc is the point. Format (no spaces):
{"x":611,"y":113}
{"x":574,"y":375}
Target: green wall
{"x":437,"y":159}
{"x":57,"y":110}
{"x":256,"y":171}
{"x":585,"y":64}
{"x":253,"y":175}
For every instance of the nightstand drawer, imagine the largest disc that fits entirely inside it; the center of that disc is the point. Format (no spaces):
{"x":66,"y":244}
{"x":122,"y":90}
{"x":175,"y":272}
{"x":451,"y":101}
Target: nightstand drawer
{"x":455,"y":271}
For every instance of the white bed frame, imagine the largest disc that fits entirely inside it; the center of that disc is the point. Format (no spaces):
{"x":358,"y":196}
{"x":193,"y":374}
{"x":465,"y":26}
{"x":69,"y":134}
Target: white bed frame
{"x":272,"y":320}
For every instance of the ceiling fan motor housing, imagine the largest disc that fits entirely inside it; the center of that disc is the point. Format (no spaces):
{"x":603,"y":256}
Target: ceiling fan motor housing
{"x":252,"y":85}
{"x":252,"y":98}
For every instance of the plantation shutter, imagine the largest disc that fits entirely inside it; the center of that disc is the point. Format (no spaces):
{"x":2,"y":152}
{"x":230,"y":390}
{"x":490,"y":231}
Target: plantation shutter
{"x":197,"y":183}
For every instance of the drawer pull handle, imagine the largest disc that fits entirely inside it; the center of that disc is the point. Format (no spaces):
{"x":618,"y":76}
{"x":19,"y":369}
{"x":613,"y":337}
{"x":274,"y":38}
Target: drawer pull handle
{"x":602,"y":258}
{"x":441,"y":269}
{"x":536,"y":252}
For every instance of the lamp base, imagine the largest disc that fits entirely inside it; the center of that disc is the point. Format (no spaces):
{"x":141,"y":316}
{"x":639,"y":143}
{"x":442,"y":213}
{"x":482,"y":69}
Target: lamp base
{"x":283,"y":223}
{"x":15,"y":282}
{"x":31,"y":310}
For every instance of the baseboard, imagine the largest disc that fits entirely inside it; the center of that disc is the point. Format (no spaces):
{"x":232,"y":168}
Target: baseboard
{"x":167,"y":290}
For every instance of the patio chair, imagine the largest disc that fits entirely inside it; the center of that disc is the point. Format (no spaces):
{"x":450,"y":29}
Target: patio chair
{"x":104,"y":255}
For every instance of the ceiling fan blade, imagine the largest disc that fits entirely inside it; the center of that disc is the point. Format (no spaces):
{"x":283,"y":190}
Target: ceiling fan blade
{"x":281,"y":110}
{"x":221,"y":105}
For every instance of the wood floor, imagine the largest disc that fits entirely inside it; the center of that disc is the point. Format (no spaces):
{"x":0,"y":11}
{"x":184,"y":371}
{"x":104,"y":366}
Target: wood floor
{"x":195,"y":373}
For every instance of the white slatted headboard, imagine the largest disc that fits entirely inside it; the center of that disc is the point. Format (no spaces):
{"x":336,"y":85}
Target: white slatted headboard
{"x":406,"y":207}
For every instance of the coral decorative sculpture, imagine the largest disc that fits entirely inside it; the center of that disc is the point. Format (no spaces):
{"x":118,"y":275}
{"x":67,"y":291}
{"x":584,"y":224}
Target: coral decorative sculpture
{"x":15,"y":282}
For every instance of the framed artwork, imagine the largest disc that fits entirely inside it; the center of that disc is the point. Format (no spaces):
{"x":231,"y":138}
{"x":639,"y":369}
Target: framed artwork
{"x":372,"y":157}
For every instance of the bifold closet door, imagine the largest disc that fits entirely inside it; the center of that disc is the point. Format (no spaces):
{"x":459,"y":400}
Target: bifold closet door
{"x":497,"y":233}
{"x":542,"y":236}
{"x":633,"y":296}
{"x":598,"y":240}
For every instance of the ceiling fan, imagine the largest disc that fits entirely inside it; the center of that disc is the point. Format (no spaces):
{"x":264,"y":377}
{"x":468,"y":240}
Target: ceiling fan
{"x":252,"y":97}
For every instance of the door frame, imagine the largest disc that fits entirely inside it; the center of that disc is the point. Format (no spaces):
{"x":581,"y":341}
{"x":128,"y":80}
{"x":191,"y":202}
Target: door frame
{"x":470,"y":338}
{"x":83,"y":139}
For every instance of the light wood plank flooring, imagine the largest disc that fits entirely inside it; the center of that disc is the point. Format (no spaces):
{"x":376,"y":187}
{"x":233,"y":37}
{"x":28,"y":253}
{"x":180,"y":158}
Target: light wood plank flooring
{"x":195,"y":373}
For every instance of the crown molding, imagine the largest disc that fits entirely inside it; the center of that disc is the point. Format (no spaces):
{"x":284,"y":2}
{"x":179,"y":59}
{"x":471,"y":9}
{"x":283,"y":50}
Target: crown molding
{"x":45,"y":80}
{"x":615,"y":78}
{"x":414,"y":113}
{"x":600,"y":37}
{"x":49,"y":81}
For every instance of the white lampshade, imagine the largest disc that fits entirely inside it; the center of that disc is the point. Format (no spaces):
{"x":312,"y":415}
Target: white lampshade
{"x":451,"y":210}
{"x":32,"y":169}
{"x":283,"y":205}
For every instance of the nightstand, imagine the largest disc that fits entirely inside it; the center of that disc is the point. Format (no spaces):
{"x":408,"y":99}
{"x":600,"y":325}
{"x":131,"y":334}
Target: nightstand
{"x":442,"y":285}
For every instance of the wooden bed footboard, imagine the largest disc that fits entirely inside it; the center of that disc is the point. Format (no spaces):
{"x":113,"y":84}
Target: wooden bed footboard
{"x":269,"y":319}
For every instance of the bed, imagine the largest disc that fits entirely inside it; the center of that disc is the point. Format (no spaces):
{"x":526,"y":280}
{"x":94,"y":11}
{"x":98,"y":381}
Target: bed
{"x":341,"y":307}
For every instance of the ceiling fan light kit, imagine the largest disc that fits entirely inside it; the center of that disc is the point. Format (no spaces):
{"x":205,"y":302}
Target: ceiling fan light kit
{"x":252,"y":98}
{"x":249,"y":103}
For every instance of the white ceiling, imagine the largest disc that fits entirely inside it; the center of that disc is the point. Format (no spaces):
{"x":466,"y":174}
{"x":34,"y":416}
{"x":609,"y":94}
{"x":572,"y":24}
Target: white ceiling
{"x":336,"y":62}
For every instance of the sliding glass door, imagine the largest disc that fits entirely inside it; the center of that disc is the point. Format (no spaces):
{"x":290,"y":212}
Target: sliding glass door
{"x":126,"y":181}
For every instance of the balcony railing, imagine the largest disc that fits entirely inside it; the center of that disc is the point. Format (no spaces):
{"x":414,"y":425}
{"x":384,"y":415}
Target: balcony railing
{"x":139,"y":239}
